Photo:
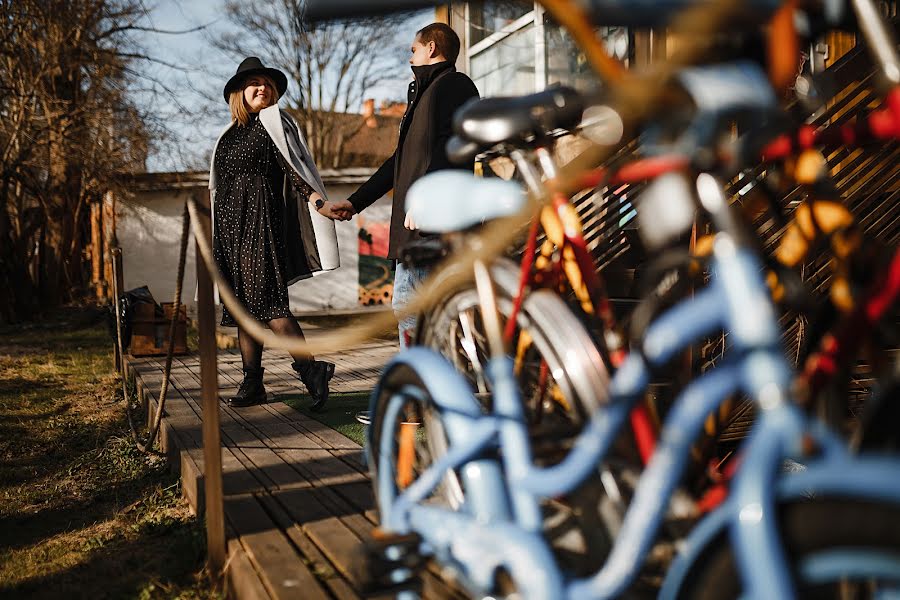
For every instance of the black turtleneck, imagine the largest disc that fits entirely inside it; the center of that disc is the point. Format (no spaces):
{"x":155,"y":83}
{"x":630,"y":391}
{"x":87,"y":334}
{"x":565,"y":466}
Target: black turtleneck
{"x":433,"y":96}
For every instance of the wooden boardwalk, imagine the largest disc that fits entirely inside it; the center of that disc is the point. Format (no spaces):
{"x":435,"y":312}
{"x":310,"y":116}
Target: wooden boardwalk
{"x":298,"y":500}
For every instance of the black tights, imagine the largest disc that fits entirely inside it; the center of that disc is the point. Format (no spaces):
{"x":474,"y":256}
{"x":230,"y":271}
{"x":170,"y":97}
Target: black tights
{"x":251,"y":350}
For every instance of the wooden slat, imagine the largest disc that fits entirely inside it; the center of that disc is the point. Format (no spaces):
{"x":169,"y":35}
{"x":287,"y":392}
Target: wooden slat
{"x":241,"y":579}
{"x":280,"y":567}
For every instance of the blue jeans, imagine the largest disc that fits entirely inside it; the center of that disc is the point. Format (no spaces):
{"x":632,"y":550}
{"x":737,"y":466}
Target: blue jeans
{"x":406,"y":281}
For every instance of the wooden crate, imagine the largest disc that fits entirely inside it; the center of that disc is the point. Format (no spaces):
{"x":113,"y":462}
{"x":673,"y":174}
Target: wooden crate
{"x":150,"y":333}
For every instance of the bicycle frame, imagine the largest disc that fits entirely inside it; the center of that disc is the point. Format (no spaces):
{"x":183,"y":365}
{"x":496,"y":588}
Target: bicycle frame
{"x":562,"y":226}
{"x":499,"y":527}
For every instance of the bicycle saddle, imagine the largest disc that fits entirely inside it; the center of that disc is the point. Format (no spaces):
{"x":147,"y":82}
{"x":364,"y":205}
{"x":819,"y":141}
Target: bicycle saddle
{"x":490,"y":121}
{"x":446,"y":201}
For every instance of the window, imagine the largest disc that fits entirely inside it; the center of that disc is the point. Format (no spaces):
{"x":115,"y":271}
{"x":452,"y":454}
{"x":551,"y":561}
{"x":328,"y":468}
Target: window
{"x":506,"y":68}
{"x":567,"y":64}
{"x":514,"y":48}
{"x":490,"y":16}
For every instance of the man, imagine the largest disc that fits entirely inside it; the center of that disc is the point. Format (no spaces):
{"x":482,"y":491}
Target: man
{"x":433,"y":96}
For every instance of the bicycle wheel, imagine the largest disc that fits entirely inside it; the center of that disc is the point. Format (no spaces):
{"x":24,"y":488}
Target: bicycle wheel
{"x":562,"y":379}
{"x":809,"y":528}
{"x":417,"y":434}
{"x":562,"y":376}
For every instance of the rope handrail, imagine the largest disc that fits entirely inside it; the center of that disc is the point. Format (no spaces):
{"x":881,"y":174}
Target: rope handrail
{"x":147,"y":446}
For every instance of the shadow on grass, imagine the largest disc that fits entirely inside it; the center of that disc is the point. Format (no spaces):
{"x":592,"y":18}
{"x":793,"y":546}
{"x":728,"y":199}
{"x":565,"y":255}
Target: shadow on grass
{"x":83,"y":514}
{"x":339,"y":413}
{"x":149,"y":565}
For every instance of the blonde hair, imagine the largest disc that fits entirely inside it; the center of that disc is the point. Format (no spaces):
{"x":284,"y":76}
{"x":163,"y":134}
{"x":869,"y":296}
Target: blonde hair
{"x":237,"y":104}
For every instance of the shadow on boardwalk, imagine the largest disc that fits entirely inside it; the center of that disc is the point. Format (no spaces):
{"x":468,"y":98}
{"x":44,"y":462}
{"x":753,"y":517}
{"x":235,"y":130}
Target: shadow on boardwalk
{"x":298,"y":502}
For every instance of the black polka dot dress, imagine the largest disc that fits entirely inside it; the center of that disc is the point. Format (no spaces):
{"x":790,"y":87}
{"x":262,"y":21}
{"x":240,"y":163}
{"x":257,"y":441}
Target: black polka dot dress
{"x":248,"y":240}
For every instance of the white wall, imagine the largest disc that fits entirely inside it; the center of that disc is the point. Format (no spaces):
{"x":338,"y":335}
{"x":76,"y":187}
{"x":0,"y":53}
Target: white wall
{"x":149,"y":230}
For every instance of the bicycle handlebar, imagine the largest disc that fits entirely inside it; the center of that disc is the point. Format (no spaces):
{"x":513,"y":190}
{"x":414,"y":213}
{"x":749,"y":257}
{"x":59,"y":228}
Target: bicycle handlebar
{"x":324,"y":10}
{"x":656,"y":13}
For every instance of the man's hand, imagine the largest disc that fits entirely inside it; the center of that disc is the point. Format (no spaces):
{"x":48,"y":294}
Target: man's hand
{"x":409,"y":223}
{"x":338,"y":210}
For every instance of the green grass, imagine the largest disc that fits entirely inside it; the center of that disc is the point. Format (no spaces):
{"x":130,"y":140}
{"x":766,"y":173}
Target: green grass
{"x":339,"y":413}
{"x":83,"y":514}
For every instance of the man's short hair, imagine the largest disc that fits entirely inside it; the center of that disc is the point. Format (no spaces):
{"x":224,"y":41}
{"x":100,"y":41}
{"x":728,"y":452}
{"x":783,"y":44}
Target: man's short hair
{"x":446,"y":42}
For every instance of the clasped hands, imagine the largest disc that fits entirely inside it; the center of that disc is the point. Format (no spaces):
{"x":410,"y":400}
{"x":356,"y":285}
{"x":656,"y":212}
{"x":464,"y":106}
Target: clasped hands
{"x":342,"y":210}
{"x":337,"y":210}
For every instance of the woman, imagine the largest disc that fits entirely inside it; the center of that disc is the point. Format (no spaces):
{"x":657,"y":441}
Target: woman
{"x":267,"y":232}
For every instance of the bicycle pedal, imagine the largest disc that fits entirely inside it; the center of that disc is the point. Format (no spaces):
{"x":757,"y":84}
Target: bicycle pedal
{"x":387,"y":564}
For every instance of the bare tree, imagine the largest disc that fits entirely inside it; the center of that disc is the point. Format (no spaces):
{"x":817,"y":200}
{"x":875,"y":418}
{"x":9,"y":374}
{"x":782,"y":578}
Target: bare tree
{"x":67,"y":133}
{"x":330,"y":67}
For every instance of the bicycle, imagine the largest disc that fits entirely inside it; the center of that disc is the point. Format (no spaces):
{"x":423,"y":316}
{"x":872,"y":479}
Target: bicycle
{"x":496,"y":537}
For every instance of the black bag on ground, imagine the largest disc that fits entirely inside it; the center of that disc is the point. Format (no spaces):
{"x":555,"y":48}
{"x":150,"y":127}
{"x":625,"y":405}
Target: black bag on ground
{"x":127,"y":301}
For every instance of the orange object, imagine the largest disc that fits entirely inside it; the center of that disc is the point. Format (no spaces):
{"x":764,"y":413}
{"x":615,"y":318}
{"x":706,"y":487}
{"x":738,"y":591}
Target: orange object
{"x":150,"y":333}
{"x":784,"y":48}
{"x":406,"y":454}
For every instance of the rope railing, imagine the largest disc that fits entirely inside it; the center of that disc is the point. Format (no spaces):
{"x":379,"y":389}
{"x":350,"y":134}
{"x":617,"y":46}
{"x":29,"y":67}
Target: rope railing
{"x":147,"y":446}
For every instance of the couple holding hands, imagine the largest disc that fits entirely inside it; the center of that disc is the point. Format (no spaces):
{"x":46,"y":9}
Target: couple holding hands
{"x":272,"y":219}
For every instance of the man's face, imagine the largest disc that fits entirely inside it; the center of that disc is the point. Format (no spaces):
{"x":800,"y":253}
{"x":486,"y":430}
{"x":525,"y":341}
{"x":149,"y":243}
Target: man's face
{"x":421,"y":53}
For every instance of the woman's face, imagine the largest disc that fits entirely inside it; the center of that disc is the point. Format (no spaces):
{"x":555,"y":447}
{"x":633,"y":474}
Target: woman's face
{"x":258,"y":93}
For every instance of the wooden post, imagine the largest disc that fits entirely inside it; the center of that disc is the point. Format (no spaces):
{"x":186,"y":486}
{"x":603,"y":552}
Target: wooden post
{"x":109,"y":234}
{"x":97,"y":252}
{"x":212,"y":443}
{"x":115,"y":277}
{"x":442,"y":14}
{"x":116,"y":256}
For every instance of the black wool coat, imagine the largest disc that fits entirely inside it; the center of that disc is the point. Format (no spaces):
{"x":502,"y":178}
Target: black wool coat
{"x":433,"y":97}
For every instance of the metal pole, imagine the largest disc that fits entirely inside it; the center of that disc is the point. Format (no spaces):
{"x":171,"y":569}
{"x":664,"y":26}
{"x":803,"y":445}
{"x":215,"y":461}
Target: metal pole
{"x":212,"y":444}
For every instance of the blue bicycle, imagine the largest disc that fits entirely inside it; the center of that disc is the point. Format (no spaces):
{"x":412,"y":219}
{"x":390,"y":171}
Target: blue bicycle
{"x":830,"y":529}
{"x":835,"y":522}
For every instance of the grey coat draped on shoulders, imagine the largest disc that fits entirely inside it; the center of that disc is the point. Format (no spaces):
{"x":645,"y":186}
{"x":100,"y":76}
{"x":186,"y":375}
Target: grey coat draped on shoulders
{"x":318,"y":246}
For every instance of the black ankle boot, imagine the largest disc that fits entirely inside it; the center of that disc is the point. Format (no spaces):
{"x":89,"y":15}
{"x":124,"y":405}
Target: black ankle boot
{"x":315,"y":375}
{"x":251,"y":391}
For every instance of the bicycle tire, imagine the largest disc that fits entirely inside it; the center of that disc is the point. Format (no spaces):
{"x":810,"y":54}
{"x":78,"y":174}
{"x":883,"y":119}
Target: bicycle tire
{"x":559,"y":338}
{"x":807,"y":527}
{"x":394,"y":381}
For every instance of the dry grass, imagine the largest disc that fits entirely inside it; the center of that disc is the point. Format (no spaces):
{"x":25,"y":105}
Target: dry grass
{"x":82,"y":512}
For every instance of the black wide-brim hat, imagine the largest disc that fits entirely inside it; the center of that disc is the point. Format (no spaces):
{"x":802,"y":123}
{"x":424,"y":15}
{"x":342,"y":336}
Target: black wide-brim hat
{"x":253,"y":66}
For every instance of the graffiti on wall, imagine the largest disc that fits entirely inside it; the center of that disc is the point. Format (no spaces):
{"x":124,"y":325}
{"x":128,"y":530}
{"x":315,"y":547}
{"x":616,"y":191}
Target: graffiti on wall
{"x":376,"y":277}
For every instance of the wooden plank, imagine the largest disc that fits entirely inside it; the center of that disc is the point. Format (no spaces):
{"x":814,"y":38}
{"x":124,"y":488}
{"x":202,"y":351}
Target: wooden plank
{"x":236,"y":432}
{"x":308,"y":481}
{"x":269,"y":429}
{"x":241,"y":579}
{"x":320,"y":466}
{"x":281,"y":569}
{"x":319,"y":565}
{"x":355,"y":458}
{"x":323,"y":435}
{"x":257,"y":456}
{"x":335,"y":540}
{"x":273,"y":465}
